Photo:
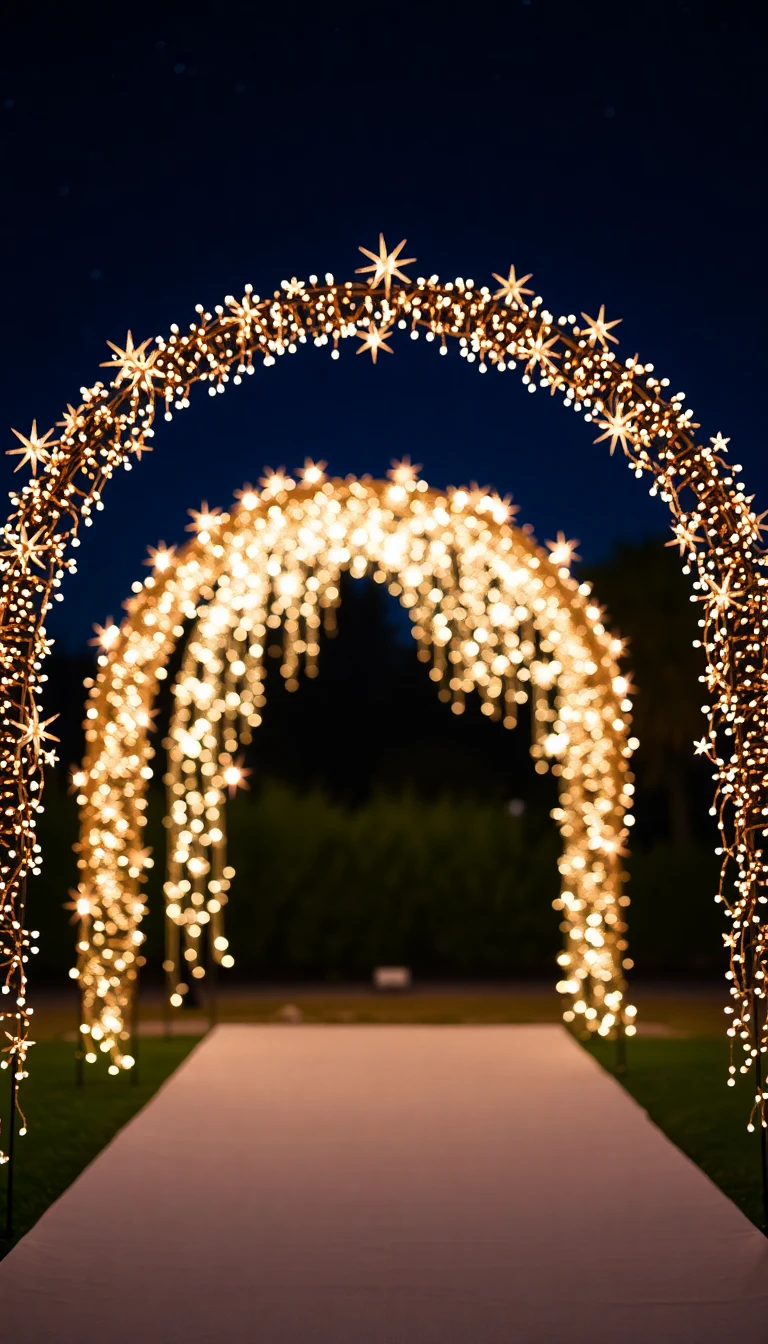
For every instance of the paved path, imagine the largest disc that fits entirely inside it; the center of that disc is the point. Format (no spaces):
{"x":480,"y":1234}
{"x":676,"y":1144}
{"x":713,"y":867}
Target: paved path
{"x":389,"y":1185}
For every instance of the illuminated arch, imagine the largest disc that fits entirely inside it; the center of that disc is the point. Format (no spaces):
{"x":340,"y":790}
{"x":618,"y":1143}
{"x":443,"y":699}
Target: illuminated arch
{"x":491,"y":611}
{"x":496,"y":330}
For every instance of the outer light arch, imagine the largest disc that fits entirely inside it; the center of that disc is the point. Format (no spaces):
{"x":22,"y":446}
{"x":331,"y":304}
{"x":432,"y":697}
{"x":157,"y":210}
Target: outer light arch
{"x":717,"y":530}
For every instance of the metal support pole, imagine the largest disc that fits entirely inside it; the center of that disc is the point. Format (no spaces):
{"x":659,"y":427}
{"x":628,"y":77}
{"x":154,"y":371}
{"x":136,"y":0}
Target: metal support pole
{"x":13,"y":1066}
{"x":759,"y":1087}
{"x":763,"y":1146}
{"x":135,"y":1030}
{"x":621,"y":1048}
{"x":79,"y":1048}
{"x":212,"y":1000}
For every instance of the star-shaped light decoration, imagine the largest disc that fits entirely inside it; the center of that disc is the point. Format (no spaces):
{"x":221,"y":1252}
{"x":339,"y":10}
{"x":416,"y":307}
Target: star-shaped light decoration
{"x":313,"y":473}
{"x":69,"y":422}
{"x":482,"y":500}
{"x":501,"y":509}
{"x":563,"y":552}
{"x":244,"y":311}
{"x":386,"y":265}
{"x":235,"y":776}
{"x":34,"y":733}
{"x":275,"y":482}
{"x":34,"y":448}
{"x":374,"y":339}
{"x":720,"y":444}
{"x":134,"y":364}
{"x":538,"y":352}
{"x":720,"y":595}
{"x":597,"y":329}
{"x":160,"y":558}
{"x":617,"y":425}
{"x":139,"y":859}
{"x":107,"y":635}
{"x":478,"y":496}
{"x":294,"y":289}
{"x":701,"y":748}
{"x":27,"y":549}
{"x":512,"y":291}
{"x":755,"y":521}
{"x":248,"y":497}
{"x":80,"y":906}
{"x":404,"y":472}
{"x":685,"y":536}
{"x":203,"y":519}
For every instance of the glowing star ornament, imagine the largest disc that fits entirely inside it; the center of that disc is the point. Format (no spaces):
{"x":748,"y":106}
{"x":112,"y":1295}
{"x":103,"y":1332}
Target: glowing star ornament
{"x":273,"y":482}
{"x":686,"y":536}
{"x":563,"y":552}
{"x":294,"y":289}
{"x":720,"y":596}
{"x":80,"y":907}
{"x":374,"y":339}
{"x":160,"y":558}
{"x":312,"y":473}
{"x":512,"y":289}
{"x":541,"y":352}
{"x":34,"y":450}
{"x":404,"y":472}
{"x":134,"y":365}
{"x":35,"y":732}
{"x":385,"y":265}
{"x":248,"y":497}
{"x":616,"y":425}
{"x":598,"y":330}
{"x":106,"y":636}
{"x":236,"y":776}
{"x":27,"y":550}
{"x":204,"y":519}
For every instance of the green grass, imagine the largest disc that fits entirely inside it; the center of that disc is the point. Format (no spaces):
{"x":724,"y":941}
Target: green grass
{"x":681,"y":1084}
{"x":69,"y":1125}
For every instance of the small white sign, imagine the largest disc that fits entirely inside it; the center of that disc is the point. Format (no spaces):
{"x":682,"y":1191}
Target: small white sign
{"x":392,"y":977}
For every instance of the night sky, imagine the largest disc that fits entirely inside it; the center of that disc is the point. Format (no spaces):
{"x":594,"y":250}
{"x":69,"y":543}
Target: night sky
{"x":150,"y":162}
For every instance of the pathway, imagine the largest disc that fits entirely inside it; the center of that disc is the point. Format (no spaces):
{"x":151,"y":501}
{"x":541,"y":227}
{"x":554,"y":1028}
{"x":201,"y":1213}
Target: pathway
{"x":389,"y":1185}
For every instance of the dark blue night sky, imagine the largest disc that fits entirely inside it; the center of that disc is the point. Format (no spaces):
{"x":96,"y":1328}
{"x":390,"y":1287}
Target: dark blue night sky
{"x":150,"y":164}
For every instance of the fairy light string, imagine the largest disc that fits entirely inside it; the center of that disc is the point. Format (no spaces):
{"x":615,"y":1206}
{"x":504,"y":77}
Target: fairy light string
{"x":492,"y":613}
{"x":497,"y":329}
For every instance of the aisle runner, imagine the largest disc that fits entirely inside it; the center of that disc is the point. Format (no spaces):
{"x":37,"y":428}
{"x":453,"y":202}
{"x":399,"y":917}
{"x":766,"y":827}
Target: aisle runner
{"x":389,"y":1185}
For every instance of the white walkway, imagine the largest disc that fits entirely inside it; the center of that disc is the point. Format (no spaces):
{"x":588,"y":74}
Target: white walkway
{"x":389,"y":1185}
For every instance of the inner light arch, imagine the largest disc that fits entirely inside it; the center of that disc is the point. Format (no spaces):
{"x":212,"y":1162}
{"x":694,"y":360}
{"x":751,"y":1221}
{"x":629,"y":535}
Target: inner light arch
{"x":491,"y":610}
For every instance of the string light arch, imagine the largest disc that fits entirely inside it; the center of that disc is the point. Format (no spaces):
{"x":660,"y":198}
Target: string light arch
{"x":497,"y":329}
{"x":492,"y":612}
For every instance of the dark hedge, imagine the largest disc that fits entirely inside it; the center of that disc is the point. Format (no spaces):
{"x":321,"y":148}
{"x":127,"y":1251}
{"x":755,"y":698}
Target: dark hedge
{"x":452,"y":887}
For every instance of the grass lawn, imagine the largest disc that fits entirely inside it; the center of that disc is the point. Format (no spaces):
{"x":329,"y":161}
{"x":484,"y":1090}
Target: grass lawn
{"x":681,"y":1084}
{"x":69,"y":1125}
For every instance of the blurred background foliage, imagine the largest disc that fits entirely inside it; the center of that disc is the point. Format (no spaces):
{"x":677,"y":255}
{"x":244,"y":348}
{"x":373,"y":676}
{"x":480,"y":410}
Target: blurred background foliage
{"x":379,"y":827}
